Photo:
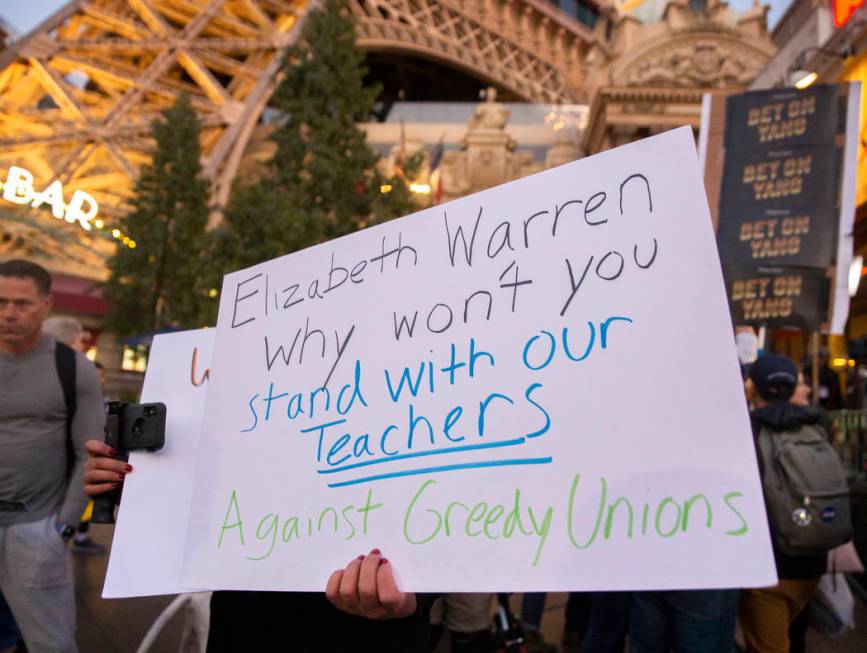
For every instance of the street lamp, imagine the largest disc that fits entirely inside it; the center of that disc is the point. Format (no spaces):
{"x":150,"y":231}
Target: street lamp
{"x":855,"y":271}
{"x":800,"y":76}
{"x":801,"y":79}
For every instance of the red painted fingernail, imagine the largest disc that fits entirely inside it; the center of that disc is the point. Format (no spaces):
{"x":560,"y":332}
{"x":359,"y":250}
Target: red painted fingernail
{"x":361,"y":557}
{"x":374,"y":552}
{"x":383,"y":561}
{"x":112,"y":452}
{"x":114,"y":485}
{"x":127,"y":468}
{"x":120,"y":477}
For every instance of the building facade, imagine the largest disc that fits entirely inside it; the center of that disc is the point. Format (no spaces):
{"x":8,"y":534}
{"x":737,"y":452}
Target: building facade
{"x":826,"y":42}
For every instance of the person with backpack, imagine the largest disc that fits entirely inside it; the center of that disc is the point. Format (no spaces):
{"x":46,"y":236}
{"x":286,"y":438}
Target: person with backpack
{"x":50,"y":405}
{"x":806,"y":497}
{"x":69,"y":331}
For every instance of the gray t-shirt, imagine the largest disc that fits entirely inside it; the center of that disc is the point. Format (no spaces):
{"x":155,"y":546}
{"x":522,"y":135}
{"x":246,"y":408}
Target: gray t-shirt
{"x":33,"y":451}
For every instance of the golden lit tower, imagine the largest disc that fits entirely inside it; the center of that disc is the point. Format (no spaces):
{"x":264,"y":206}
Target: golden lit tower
{"x":78,"y":95}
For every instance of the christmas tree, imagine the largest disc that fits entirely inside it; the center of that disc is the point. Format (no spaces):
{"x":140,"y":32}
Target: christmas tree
{"x":322,"y":181}
{"x":161,"y":281}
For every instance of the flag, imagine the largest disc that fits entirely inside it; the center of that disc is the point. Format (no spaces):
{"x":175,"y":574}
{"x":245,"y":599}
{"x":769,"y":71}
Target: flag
{"x":436,"y":180}
{"x":436,"y":153}
{"x":436,"y":158}
{"x":401,"y":151}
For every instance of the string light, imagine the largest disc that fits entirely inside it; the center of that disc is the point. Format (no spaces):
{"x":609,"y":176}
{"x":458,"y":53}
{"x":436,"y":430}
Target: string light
{"x":122,"y":237}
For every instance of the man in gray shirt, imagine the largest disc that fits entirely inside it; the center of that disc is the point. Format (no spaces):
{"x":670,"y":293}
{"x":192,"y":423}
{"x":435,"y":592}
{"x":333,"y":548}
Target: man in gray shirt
{"x":41,"y":498}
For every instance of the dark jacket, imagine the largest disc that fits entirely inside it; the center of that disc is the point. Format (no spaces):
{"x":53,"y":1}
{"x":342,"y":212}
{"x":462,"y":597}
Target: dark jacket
{"x":305,"y":622}
{"x":779,"y":417}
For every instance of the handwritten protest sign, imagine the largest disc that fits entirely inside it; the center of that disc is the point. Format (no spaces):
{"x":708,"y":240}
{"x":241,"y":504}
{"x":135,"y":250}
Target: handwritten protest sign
{"x":530,"y":388}
{"x":148,"y":544}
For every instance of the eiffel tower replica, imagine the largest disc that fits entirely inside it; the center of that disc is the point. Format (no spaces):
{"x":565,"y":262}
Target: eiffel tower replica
{"x":79,"y":93}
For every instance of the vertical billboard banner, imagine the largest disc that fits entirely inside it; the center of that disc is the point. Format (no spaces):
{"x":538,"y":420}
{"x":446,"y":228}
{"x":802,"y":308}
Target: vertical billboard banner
{"x":779,"y":204}
{"x":774,"y":297}
{"x":801,"y":236}
{"x":530,"y":388}
{"x":783,"y":118}
{"x":757,"y":178}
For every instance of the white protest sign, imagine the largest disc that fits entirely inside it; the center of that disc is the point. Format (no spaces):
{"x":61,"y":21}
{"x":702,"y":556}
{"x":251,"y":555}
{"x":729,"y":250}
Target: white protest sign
{"x":148,"y":544}
{"x":530,"y":388}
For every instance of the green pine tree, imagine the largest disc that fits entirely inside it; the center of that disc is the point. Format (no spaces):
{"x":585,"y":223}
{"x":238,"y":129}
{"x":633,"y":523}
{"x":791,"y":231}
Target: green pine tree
{"x":161,"y":282}
{"x":322,"y":181}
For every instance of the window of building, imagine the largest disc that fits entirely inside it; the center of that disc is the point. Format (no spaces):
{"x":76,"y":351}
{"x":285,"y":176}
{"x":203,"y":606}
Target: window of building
{"x":583,"y":12}
{"x":135,"y":358}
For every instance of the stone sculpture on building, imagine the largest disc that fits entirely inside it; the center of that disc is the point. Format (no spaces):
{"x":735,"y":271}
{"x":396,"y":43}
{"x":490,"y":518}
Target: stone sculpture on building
{"x":653,"y":60}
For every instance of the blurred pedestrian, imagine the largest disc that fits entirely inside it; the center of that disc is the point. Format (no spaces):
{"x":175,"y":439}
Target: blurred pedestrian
{"x":69,"y":331}
{"x":532,"y":611}
{"x":466,"y":617}
{"x":10,"y":634}
{"x":49,"y":407}
{"x":683,"y":620}
{"x":608,"y":623}
{"x":767,"y":613}
{"x":830,"y":396}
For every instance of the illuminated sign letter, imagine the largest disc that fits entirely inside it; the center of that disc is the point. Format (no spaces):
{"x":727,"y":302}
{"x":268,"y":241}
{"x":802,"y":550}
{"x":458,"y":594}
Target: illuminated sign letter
{"x":82,"y":209}
{"x":53,"y":195}
{"x":18,"y":188}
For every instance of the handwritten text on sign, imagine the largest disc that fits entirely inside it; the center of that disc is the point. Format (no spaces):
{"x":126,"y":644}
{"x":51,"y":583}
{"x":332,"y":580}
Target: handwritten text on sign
{"x":533,"y":387}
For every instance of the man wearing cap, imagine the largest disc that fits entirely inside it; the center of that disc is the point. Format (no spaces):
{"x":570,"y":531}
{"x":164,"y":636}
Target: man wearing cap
{"x":766,"y":613}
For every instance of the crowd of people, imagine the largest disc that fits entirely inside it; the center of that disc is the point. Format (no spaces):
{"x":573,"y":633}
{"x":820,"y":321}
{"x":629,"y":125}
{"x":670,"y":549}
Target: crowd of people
{"x":52,"y":458}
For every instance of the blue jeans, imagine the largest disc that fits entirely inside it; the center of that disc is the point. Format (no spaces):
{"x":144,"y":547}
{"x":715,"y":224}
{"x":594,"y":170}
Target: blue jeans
{"x":694,"y":621}
{"x":9,"y":633}
{"x":609,"y":620}
{"x":532,"y":608}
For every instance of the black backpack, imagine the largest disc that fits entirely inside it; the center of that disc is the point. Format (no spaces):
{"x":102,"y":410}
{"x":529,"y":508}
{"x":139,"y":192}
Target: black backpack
{"x":64,"y":360}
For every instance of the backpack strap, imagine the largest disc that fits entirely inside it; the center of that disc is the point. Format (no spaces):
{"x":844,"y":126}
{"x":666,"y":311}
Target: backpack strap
{"x":757,"y":442}
{"x":64,"y":359}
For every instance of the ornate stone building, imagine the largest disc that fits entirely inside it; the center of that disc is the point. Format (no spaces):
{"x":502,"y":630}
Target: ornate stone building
{"x":488,"y":155}
{"x":650,"y":65}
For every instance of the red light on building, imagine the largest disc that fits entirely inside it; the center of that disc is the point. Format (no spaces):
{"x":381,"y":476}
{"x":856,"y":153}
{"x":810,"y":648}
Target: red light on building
{"x":843,"y":10}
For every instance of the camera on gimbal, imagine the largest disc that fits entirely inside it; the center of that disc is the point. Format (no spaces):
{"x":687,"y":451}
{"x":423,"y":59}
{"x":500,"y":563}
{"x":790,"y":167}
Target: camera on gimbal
{"x":129,"y":427}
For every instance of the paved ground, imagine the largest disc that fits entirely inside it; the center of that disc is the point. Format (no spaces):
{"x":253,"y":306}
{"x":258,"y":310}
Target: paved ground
{"x":118,"y":625}
{"x":115,"y":625}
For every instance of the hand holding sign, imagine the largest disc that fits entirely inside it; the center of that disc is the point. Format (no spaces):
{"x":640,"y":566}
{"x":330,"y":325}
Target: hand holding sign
{"x":102,"y":473}
{"x":367,"y":588}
